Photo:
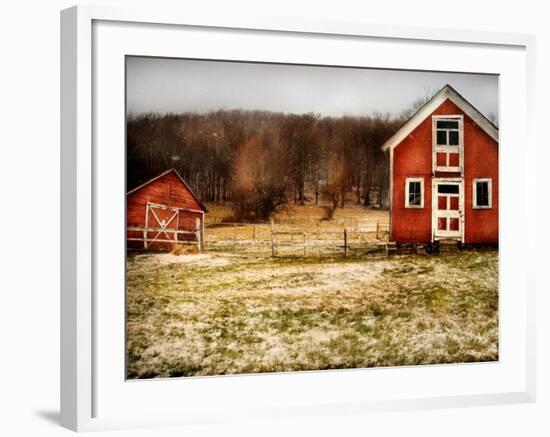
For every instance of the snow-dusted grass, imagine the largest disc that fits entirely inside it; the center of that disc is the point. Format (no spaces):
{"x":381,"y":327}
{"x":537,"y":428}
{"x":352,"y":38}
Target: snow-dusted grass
{"x":221,"y":313}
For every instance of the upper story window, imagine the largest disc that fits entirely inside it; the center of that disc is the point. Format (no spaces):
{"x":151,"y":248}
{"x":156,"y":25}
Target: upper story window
{"x":447,"y":132}
{"x":448,"y":143}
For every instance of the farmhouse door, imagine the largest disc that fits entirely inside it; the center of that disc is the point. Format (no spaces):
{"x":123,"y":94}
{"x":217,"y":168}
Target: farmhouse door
{"x":161,"y":222}
{"x":448,"y":209}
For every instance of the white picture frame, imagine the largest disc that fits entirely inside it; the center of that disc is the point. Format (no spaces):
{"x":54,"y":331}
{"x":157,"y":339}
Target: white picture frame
{"x":92,"y":390}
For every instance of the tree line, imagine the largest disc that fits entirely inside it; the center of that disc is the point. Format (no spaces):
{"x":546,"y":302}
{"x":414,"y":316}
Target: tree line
{"x":261,"y":161}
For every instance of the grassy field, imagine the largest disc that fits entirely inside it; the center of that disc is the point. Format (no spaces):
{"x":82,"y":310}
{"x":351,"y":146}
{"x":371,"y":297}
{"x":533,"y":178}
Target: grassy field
{"x":224,"y":313}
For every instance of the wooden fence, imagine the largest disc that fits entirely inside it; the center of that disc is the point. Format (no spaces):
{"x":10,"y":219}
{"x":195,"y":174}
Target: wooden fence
{"x":313,"y":239}
{"x":165,"y":235}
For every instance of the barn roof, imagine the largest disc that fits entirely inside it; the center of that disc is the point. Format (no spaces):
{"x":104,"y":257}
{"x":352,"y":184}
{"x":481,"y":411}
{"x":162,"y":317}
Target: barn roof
{"x":445,"y":93}
{"x":172,"y":170}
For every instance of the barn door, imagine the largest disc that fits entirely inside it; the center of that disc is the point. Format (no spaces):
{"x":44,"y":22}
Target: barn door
{"x":161,"y":222}
{"x":448,"y":209}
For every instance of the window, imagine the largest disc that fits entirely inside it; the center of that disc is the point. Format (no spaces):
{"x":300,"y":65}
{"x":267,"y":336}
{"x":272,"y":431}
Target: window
{"x":414,"y":193}
{"x":448,"y":132}
{"x":447,"y":143}
{"x":482,"y":191}
{"x":447,"y":188}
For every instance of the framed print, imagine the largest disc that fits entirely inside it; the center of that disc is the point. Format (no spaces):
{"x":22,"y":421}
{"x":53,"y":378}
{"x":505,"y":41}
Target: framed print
{"x":268,"y":219}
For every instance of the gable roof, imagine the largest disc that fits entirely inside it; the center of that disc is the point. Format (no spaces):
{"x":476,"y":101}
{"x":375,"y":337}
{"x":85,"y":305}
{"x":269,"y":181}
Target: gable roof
{"x":172,"y":170}
{"x":445,"y":93}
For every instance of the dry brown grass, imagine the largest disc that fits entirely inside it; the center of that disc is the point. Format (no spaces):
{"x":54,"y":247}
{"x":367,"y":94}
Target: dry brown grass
{"x":323,"y":237}
{"x":184,"y":249}
{"x":316,"y":212}
{"x":218,"y":212}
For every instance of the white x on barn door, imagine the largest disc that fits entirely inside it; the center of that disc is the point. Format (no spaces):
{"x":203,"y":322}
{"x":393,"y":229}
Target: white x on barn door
{"x":161,"y":220}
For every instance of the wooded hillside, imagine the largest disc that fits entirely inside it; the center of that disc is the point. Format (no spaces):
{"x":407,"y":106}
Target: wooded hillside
{"x":261,"y":160}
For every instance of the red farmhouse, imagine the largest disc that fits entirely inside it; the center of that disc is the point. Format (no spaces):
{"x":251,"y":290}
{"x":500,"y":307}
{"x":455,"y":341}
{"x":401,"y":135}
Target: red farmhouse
{"x":162,"y":212}
{"x":444,"y":174}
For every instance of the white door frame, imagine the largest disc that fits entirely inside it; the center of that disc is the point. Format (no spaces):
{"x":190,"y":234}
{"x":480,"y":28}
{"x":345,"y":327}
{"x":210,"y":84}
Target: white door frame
{"x":461,"y":222}
{"x":162,"y":224}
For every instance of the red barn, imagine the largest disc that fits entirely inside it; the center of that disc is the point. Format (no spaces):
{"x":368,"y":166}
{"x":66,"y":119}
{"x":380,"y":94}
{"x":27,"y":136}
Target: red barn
{"x":162,"y":212}
{"x":444,"y":174}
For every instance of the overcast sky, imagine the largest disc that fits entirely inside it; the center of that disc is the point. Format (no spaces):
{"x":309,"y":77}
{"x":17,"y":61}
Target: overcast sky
{"x":179,"y":85}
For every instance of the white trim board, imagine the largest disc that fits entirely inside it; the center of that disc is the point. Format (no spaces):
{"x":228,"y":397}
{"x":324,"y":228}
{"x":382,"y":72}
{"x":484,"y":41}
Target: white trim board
{"x":445,"y":93}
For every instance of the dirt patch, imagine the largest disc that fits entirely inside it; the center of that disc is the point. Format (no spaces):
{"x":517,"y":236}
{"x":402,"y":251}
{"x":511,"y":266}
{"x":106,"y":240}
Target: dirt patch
{"x":155,"y":260}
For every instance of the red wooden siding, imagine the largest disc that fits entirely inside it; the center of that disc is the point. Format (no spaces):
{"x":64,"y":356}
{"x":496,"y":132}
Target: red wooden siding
{"x":412,"y":158}
{"x":480,"y":161}
{"x":167,"y":190}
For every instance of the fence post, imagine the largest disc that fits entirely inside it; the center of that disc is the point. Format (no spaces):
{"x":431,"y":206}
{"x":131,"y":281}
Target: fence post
{"x":304,"y":244}
{"x":272,"y":237}
{"x":317,"y":230}
{"x":198,"y":234}
{"x":145,"y":233}
{"x":253,"y":232}
{"x":235,"y":234}
{"x":345,"y":242}
{"x":378,"y":228}
{"x":199,"y":242}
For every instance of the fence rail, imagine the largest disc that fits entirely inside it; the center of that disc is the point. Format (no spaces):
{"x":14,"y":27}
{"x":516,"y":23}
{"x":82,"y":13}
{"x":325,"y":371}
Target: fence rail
{"x":315,"y":238}
{"x":198,"y":241}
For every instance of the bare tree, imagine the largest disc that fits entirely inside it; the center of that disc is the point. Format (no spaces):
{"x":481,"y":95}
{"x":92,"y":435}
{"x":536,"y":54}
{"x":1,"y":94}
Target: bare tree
{"x":493,"y":118}
{"x":333,"y":188}
{"x":298,"y":136}
{"x":417,"y":104}
{"x":259,"y":188}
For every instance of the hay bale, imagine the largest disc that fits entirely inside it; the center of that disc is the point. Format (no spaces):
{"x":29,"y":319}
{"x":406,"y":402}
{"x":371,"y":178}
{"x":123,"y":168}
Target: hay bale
{"x":184,"y":249}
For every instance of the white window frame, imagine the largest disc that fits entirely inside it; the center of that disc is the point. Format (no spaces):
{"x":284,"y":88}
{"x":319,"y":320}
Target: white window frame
{"x":489,"y":190}
{"x":407,"y":182}
{"x":448,"y":149}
